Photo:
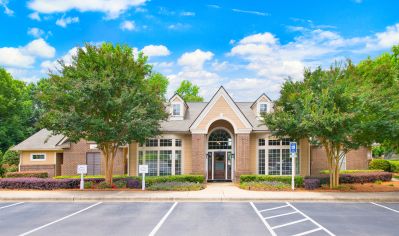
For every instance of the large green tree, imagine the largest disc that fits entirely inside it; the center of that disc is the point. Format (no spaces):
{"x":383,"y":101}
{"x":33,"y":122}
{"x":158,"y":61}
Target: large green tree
{"x":15,"y":111}
{"x":323,"y":108}
{"x":105,"y":96}
{"x":189,"y":92}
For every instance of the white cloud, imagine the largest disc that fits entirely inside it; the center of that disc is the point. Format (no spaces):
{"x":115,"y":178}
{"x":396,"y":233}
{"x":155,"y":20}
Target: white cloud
{"x":248,"y":89}
{"x":113,"y":9}
{"x":187,"y":13}
{"x":25,"y":56}
{"x":35,"y":16}
{"x":155,"y":50}
{"x":128,"y":25}
{"x":54,"y":65}
{"x":179,"y":26}
{"x":36,"y":32}
{"x":266,"y":38}
{"x":258,"y":13}
{"x":15,"y":57}
{"x":40,"y":48}
{"x":64,"y":22}
{"x":7,"y":11}
{"x":389,"y":37}
{"x":195,"y":60}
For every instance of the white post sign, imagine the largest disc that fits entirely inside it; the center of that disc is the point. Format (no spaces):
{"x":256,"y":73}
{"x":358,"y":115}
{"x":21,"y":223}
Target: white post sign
{"x":293,"y":149}
{"x":143,"y":169}
{"x":82,"y":169}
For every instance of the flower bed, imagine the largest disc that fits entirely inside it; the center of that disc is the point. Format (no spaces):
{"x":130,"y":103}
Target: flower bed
{"x":176,"y":186}
{"x":271,"y":178}
{"x":370,"y":177}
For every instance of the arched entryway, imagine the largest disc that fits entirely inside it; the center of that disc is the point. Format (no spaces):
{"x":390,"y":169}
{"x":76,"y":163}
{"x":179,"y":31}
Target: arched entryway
{"x":220,"y":152}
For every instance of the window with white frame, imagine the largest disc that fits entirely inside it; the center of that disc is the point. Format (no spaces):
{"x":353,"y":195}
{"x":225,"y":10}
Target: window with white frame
{"x":262,"y":108}
{"x":274,"y":157}
{"x":176,"y":109}
{"x":162,"y":159}
{"x":38,"y":157}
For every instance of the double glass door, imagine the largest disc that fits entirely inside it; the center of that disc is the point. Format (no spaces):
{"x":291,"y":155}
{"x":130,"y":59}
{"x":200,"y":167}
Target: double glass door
{"x":219,"y":165}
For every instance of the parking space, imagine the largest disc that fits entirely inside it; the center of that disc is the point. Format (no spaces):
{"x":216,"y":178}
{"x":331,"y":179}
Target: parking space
{"x":199,"y":218}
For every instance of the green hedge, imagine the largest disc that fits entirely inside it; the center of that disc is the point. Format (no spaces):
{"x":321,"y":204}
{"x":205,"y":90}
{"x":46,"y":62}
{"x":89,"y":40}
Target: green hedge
{"x":27,"y":174}
{"x":394,"y":166}
{"x":380,"y":164}
{"x":351,"y":171}
{"x":275,"y":178}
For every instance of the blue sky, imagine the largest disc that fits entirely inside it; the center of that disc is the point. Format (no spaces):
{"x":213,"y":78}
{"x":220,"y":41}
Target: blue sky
{"x":247,"y":46}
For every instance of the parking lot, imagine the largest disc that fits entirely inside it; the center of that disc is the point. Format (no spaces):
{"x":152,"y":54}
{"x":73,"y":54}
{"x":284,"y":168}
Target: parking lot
{"x":198,"y":218}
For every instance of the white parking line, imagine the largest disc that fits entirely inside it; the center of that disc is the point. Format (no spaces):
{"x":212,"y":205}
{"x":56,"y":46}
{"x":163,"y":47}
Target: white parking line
{"x":155,"y":230}
{"x":263,"y":220}
{"x":61,"y":219}
{"x":308,"y":232}
{"x":11,"y":205}
{"x":314,"y":222}
{"x":285,"y":214}
{"x":384,"y":207}
{"x":274,"y":208}
{"x":290,"y":223}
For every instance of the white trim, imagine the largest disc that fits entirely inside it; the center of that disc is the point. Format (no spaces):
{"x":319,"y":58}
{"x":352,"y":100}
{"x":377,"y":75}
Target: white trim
{"x":44,"y":154}
{"x":221,"y":93}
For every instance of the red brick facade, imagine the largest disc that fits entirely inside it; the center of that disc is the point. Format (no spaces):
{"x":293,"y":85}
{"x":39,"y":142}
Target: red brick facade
{"x":242,"y":155}
{"x":198,"y":153}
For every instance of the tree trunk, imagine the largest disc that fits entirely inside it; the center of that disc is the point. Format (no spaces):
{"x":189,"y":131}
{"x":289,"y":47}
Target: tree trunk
{"x":109,"y":152}
{"x":332,"y":152}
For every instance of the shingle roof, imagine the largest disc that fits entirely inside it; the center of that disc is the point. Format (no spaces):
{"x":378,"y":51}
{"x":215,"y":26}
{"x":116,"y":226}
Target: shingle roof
{"x":42,"y":140}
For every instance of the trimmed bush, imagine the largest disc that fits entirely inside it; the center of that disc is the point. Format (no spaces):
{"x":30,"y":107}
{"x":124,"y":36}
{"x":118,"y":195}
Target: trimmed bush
{"x":150,"y":180}
{"x":120,"y":183}
{"x":38,"y":183}
{"x":2,"y":171}
{"x":27,"y":174}
{"x":176,"y":186}
{"x":380,"y":164}
{"x":133,"y":183}
{"x":265,"y":185}
{"x":355,"y":178}
{"x":394,"y":166}
{"x":12,"y":169}
{"x":272,"y":178}
{"x":311,"y":183}
{"x":326,"y":172}
{"x":11,"y":158}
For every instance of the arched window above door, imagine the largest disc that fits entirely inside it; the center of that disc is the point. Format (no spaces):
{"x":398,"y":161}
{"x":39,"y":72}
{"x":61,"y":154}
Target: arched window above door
{"x":219,"y":139}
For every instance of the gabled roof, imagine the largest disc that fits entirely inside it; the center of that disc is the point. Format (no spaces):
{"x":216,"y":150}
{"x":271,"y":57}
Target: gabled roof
{"x":221,"y":93}
{"x":177,"y":95}
{"x":42,"y":140}
{"x":262,"y":95}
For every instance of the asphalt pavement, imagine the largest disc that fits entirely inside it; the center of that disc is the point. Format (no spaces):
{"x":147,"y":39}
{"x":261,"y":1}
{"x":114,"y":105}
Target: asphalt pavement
{"x":198,"y":218}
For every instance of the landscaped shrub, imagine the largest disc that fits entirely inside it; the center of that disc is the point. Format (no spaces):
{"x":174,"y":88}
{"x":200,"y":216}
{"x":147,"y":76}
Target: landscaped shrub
{"x":175,"y":186}
{"x":120,"y":183}
{"x":351,"y":171}
{"x":38,"y":183}
{"x":311,"y":183}
{"x":355,"y":178}
{"x":133,"y":183}
{"x":27,"y":174}
{"x":2,"y":171}
{"x":12,"y":169}
{"x":394,"y":166}
{"x":103,"y":185}
{"x":265,"y":185}
{"x":11,"y":158}
{"x":380,"y":164}
{"x":150,"y":180}
{"x":283,"y":179}
{"x":88,"y":184}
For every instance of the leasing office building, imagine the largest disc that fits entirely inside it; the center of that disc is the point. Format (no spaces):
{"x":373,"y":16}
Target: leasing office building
{"x":220,"y":139}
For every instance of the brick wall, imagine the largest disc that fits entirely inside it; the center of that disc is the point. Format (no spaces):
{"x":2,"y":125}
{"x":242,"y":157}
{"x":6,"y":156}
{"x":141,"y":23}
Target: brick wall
{"x":50,"y":169}
{"x":76,"y":155}
{"x":355,"y":159}
{"x":242,"y":155}
{"x":198,"y":153}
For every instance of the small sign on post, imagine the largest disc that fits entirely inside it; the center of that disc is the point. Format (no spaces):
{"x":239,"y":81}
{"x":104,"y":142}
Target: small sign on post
{"x":293,"y":149}
{"x":82,"y":169}
{"x":143,"y":169}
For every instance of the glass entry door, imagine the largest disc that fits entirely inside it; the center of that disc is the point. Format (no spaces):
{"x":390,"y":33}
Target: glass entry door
{"x":219,"y":165}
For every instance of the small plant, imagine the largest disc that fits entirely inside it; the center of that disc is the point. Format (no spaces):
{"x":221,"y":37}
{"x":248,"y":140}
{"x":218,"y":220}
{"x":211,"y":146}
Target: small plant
{"x":380,"y":164}
{"x":12,"y":169}
{"x":103,"y":185}
{"x":391,"y":185}
{"x":88,"y":184}
{"x":378,"y":182}
{"x":120,"y":183}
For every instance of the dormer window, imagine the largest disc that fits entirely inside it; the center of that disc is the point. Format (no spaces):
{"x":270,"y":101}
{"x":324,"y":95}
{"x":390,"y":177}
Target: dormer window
{"x":176,"y":109}
{"x":262,"y":108}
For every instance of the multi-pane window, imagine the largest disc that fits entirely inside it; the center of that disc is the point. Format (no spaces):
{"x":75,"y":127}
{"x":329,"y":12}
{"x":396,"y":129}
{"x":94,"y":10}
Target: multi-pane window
{"x":176,"y":110}
{"x":165,"y":142}
{"x":161,"y":156}
{"x":274,"y":142}
{"x":262,"y":108}
{"x":38,"y":157}
{"x":178,"y":142}
{"x":151,"y":159}
{"x":275,"y":157}
{"x":261,"y":142}
{"x":274,"y":162}
{"x":177,"y":162}
{"x":262,"y":161}
{"x":165,"y":162}
{"x":151,"y":143}
{"x":219,"y":139}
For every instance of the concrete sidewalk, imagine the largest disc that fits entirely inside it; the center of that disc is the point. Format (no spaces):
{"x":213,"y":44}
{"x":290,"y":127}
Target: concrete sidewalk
{"x":213,"y":192}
